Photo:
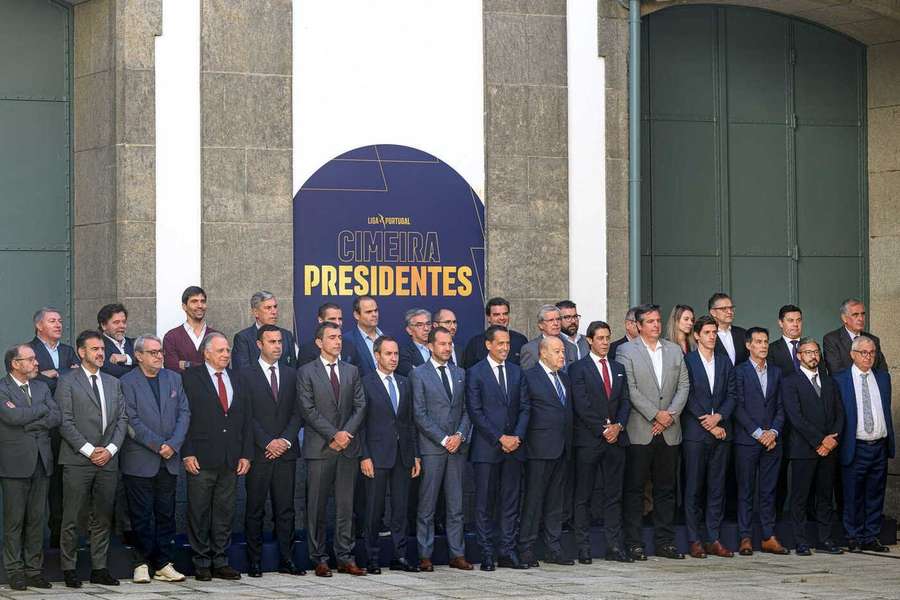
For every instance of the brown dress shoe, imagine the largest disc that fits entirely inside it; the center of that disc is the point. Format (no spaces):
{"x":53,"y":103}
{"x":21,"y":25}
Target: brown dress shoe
{"x":773,"y":546}
{"x":697,"y":550}
{"x":322,"y":570}
{"x":350,"y":568}
{"x":460,"y":563}
{"x":426,"y":565}
{"x":746,"y":547}
{"x":717,"y":549}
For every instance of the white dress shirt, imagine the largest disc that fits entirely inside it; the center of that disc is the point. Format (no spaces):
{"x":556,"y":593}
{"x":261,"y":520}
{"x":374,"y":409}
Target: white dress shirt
{"x":496,"y":371}
{"x":387,"y":386}
{"x":552,"y":375}
{"x":810,"y":374}
{"x":656,"y":358}
{"x":197,"y":339}
{"x":337,"y":369}
{"x":710,"y":367}
{"x":880,"y":429}
{"x":265,"y":367}
{"x":229,"y":391}
{"x":120,"y":346}
{"x":88,"y":448}
{"x":19,"y":384}
{"x":728,"y":342}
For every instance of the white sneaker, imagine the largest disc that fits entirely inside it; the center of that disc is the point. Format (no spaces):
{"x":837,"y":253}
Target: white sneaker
{"x":141,"y":574}
{"x":168,"y":573}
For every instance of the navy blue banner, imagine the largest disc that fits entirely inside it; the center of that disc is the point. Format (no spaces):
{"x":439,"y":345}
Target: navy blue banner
{"x":394,"y":223}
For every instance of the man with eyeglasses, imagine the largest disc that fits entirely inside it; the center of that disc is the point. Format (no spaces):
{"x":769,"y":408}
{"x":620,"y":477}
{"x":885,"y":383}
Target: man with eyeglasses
{"x":27,"y":413}
{"x":867,"y":442}
{"x":497,"y":312}
{"x":549,"y":322}
{"x":732,"y":339}
{"x":446,"y":318}
{"x":569,"y":322}
{"x":836,"y":344}
{"x":631,"y":332}
{"x":414,"y":351}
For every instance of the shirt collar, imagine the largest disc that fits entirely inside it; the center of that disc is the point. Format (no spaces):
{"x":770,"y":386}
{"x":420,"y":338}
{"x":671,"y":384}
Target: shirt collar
{"x":190,"y":330}
{"x":852,"y":335}
{"x":326,"y":363}
{"x":384,"y":375}
{"x":809,"y":374}
{"x":494,"y":364}
{"x":649,"y":349}
{"x":436,"y":363}
{"x":711,"y":361}
{"x":547,"y":369}
{"x":857,"y":371}
{"x":212,"y":372}
{"x":420,"y":346}
{"x":365,"y":335}
{"x":757,"y":368}
{"x":266,"y":366}
{"x":788,"y":340}
{"x":48,"y":345}
{"x":17,"y":382}
{"x":88,"y":374}
{"x":598,"y":358}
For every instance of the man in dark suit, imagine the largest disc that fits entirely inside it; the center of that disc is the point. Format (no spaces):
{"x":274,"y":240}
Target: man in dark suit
{"x":414,"y":351}
{"x":707,"y":430}
{"x":264,"y":308}
{"x":836,"y":344}
{"x":390,"y":455}
{"x":549,"y":322}
{"x":569,"y":324}
{"x":548,"y":443}
{"x":217,"y":450}
{"x":867,"y":442}
{"x":181,"y":344}
{"x":601,"y":405}
{"x":333,"y":405}
{"x":732,"y":339}
{"x":27,"y":413}
{"x":783,"y":351}
{"x":158,"y":419}
{"x":497,"y":312}
{"x":444,"y":431}
{"x":497,"y":404}
{"x":631,"y":332}
{"x":112,"y":320}
{"x":813,"y":407}
{"x":365,"y":331}
{"x":331,"y":313}
{"x":93,"y":426}
{"x":271,"y":388}
{"x":758,"y":449}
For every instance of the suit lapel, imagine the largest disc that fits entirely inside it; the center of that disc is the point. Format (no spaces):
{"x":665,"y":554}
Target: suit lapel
{"x":86,"y":386}
{"x":770,"y":381}
{"x":163,"y":392}
{"x":645,"y":355}
{"x":322,"y":373}
{"x":598,"y":379}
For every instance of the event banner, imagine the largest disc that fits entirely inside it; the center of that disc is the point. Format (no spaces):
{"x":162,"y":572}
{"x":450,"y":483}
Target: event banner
{"x":394,"y":223}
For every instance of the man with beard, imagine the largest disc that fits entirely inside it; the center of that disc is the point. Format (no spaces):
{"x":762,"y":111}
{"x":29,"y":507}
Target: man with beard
{"x":181,"y":344}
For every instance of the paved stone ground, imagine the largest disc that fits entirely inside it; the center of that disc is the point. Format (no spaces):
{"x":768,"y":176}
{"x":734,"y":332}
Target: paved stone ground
{"x":844,"y":577}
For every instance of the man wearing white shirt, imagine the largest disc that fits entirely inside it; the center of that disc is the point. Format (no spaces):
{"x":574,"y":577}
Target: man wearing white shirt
{"x":93,"y":429}
{"x":732,"y":339}
{"x":119,"y":349}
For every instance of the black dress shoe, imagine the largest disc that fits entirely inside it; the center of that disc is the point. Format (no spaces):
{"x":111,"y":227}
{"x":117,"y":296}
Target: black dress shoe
{"x":556,"y":559}
{"x":38,"y":581}
{"x":289,"y":568}
{"x":511,"y":562}
{"x":854,"y":547}
{"x":202,"y":574}
{"x":669,"y":552}
{"x":102,"y":577}
{"x":584,"y":557}
{"x":875,"y":546}
{"x":17,"y":582}
{"x":226,"y":572}
{"x":373,"y":569}
{"x":828,"y":547}
{"x":401,"y":564}
{"x":530,"y":560}
{"x":71,"y":579}
{"x":618,"y":555}
{"x":638,"y":553}
{"x":487,"y":564}
{"x":802,"y":550}
{"x":254,"y":569}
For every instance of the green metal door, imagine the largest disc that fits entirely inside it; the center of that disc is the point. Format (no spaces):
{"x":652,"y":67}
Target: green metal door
{"x":754,"y":164}
{"x":35,"y":166}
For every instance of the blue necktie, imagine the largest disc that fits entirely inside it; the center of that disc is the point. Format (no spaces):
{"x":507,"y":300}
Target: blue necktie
{"x":392,"y":392}
{"x":559,"y":389}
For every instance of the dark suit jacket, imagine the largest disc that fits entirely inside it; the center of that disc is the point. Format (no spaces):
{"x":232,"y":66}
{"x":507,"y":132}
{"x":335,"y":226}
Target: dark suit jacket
{"x":272,"y":420}
{"x":354,"y":338}
{"x":218,"y":439}
{"x":739,"y":337}
{"x":245,"y":352}
{"x":755,"y":408}
{"x":811,"y":417}
{"x":385,"y":435}
{"x":494,"y":414}
{"x":82,"y":417}
{"x":611,"y":355}
{"x":310,"y":352}
{"x":836,"y":347}
{"x":109,"y":349}
{"x":702,"y":400}
{"x":476,"y":350}
{"x":410,"y":357}
{"x":177,"y":345}
{"x":67,"y":359}
{"x":436,"y":415}
{"x":24,"y":429}
{"x":844,"y":381}
{"x":781,"y":355}
{"x":550,"y":423}
{"x":593,"y":408}
{"x":323,"y":414}
{"x":151,"y":425}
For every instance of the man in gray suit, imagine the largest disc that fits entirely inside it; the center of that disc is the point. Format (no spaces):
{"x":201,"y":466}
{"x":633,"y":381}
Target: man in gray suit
{"x":570,"y":322}
{"x":93,"y":429}
{"x":658,"y":387}
{"x":549,"y":322}
{"x":27,"y":412}
{"x":333,"y":405}
{"x":439,"y":407}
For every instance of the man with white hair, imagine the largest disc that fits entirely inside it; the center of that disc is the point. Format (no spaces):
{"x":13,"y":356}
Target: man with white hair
{"x":245,"y":352}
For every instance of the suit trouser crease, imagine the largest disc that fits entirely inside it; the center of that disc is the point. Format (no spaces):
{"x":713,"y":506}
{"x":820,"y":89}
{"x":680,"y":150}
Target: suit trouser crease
{"x":333,"y":473}
{"x":542,"y":506}
{"x":705,"y":466}
{"x":864,"y":481}
{"x":270,"y":479}
{"x":24,"y":517}
{"x":606,"y":463}
{"x":396,"y":479}
{"x":87,"y":485}
{"x":659,"y":462}
{"x":211,"y":497}
{"x":816,"y":476}
{"x":151,"y":506}
{"x":497,"y":490}
{"x":757,"y":469}
{"x":441,"y":472}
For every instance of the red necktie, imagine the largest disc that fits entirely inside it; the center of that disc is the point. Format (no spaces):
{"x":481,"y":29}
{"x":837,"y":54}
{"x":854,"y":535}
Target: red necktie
{"x":273,"y":381}
{"x":223,"y":393}
{"x":335,"y":384}
{"x":607,"y":385}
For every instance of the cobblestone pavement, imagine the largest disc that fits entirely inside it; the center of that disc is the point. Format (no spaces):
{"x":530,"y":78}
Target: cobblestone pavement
{"x":822,"y":577}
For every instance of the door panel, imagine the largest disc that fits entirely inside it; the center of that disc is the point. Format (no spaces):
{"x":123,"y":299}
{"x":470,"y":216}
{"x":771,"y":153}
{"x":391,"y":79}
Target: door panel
{"x":756,"y":55}
{"x":683,"y":280}
{"x":759,"y":287}
{"x":824,"y":284}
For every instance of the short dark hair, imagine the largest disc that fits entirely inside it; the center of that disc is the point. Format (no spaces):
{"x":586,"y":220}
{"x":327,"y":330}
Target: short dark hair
{"x":715,"y":298}
{"x":108,"y":311}
{"x":432,"y":335}
{"x":808,"y":340}
{"x":566,"y":304}
{"x":788,"y":308}
{"x":594,"y":326}
{"x":491,"y":332}
{"x":380,"y":340}
{"x":359,"y":299}
{"x":645,"y":309}
{"x":495,"y":301}
{"x":191,"y":291}
{"x":84,"y":336}
{"x":267,"y":329}
{"x":325,"y":308}
{"x":753,"y":330}
{"x":702,"y":321}
{"x":320,"y":330}
{"x":11,"y":353}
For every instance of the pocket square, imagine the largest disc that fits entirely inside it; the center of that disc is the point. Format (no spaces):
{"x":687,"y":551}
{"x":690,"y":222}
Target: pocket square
{"x":619,"y":375}
{"x":172,"y":394}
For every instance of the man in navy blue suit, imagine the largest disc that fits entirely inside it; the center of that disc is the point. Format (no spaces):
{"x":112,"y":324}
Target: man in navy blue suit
{"x":601,"y":405}
{"x":760,"y":420}
{"x":867,"y":442}
{"x":389,"y":457}
{"x":118,"y":348}
{"x":548,"y":443}
{"x":264,"y":307}
{"x":497,"y":402}
{"x":363,"y":335}
{"x":414,"y":351}
{"x":497,"y":312}
{"x":331,"y":313}
{"x":707,"y":430}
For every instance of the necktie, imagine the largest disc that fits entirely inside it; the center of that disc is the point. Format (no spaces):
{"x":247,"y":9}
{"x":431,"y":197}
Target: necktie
{"x":445,"y":381}
{"x":500,"y":372}
{"x":223,"y":393}
{"x":794,"y":356}
{"x":868,"y":417}
{"x":100,"y":402}
{"x":607,"y":384}
{"x":27,"y":393}
{"x":392,"y":392}
{"x":815,"y":384}
{"x":335,"y":384}
{"x":273,"y":381}
{"x":559,"y":388}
